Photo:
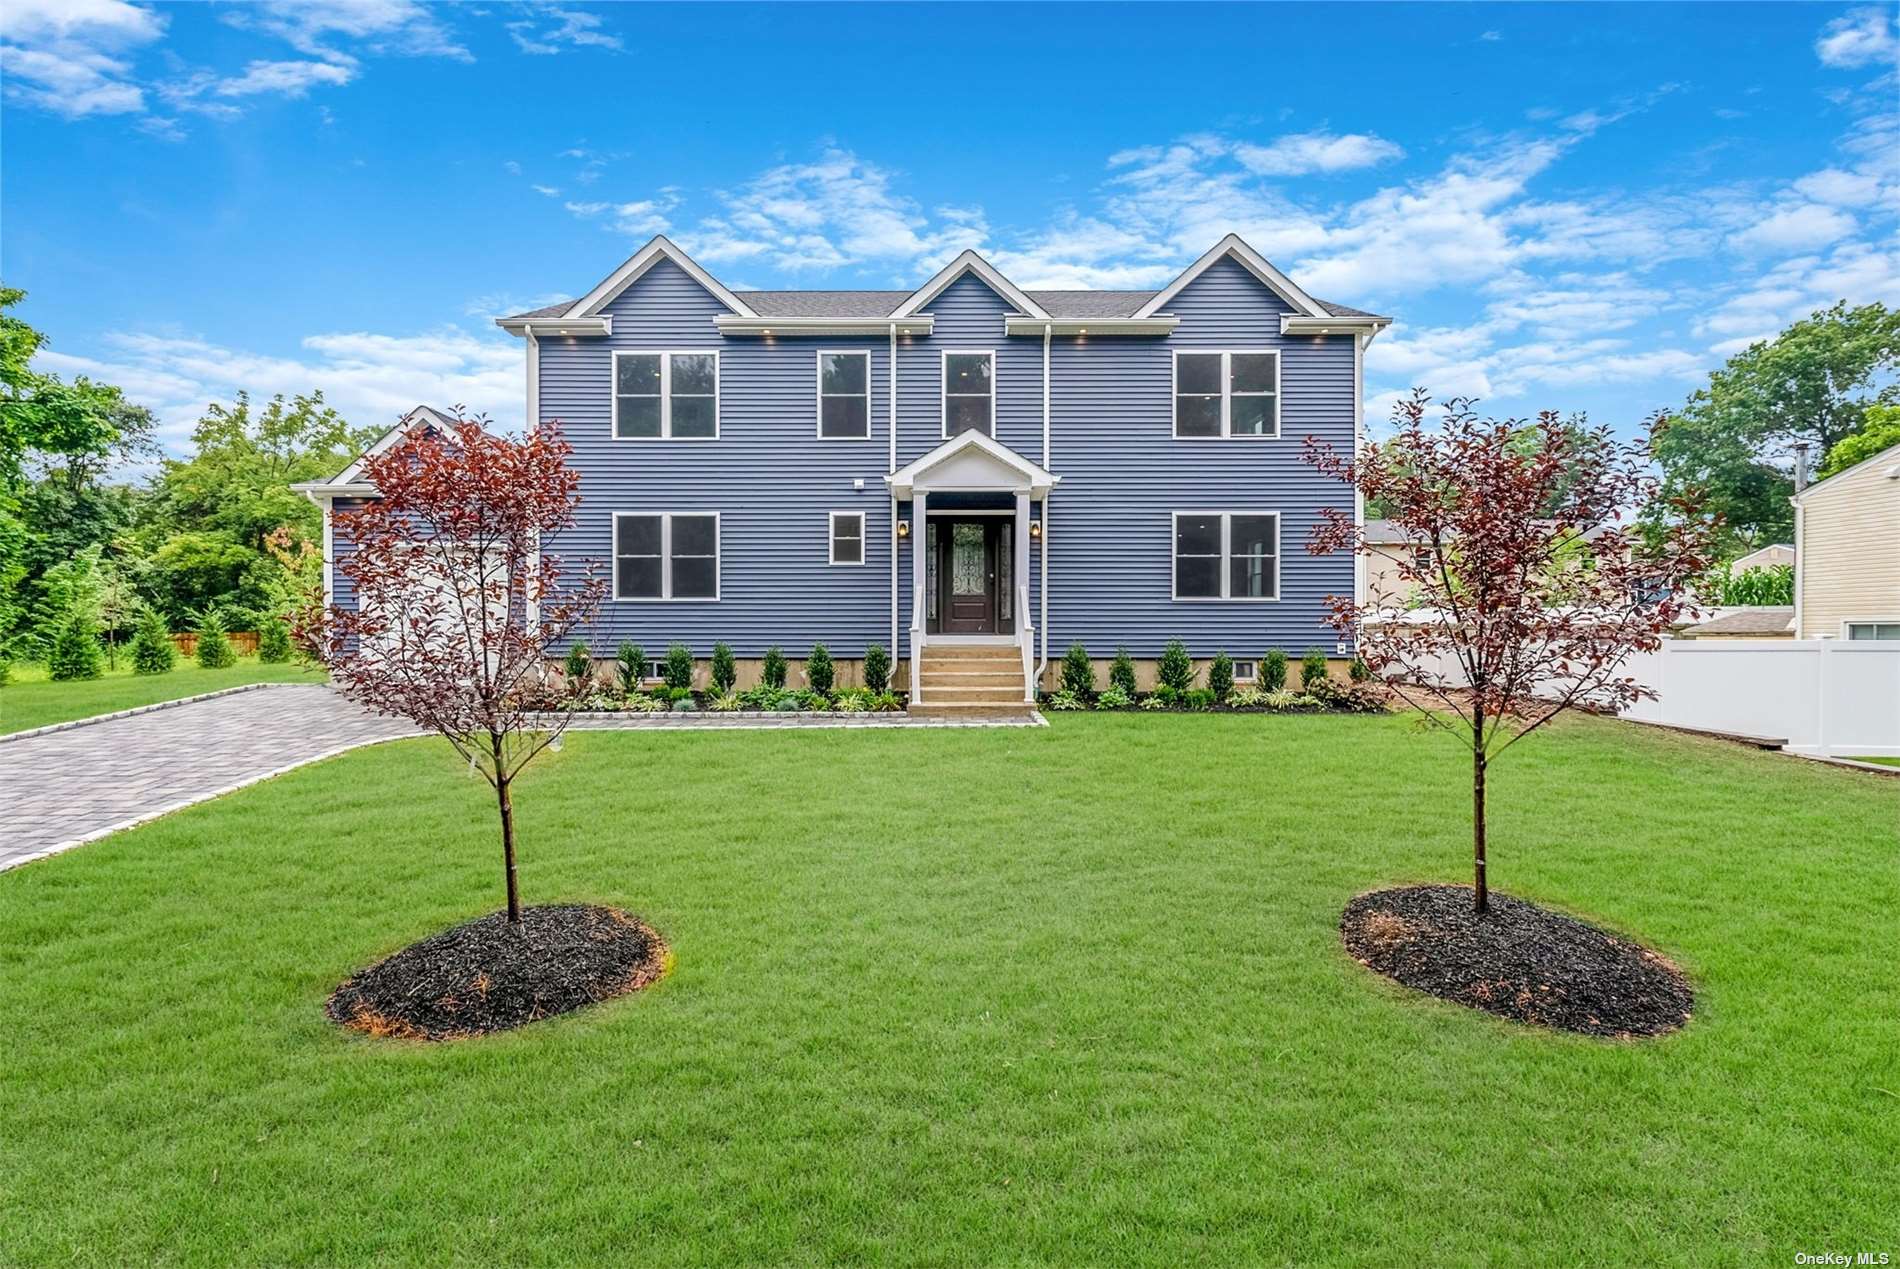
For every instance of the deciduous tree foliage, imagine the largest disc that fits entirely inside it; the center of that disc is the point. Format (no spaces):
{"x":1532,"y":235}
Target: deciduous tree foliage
{"x":1532,"y":593}
{"x":1881,"y":432}
{"x":457,"y":605}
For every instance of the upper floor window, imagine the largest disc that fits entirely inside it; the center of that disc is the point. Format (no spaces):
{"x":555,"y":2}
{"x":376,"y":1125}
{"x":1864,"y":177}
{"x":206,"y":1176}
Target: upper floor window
{"x":666,"y":395}
{"x":666,"y":555}
{"x":847,"y":537}
{"x":1226,"y":394}
{"x":844,"y":396}
{"x":969,"y":393}
{"x":1226,"y":555}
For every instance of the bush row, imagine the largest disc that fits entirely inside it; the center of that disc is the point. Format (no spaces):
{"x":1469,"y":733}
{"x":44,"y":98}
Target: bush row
{"x":1177,"y":677}
{"x":821,"y":690}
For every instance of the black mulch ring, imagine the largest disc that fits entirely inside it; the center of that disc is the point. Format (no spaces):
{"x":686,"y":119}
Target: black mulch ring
{"x":490,"y":976}
{"x":1518,"y":960}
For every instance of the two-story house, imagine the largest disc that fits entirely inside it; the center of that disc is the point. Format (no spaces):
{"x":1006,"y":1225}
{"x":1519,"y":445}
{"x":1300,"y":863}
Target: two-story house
{"x":968,"y":470}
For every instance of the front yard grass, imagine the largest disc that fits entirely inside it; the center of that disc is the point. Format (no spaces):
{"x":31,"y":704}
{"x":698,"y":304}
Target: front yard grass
{"x":1072,"y":994}
{"x":30,"y":699}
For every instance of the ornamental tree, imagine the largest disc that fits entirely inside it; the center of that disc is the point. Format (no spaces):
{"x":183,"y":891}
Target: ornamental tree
{"x":1531,"y":593}
{"x":456,"y":605}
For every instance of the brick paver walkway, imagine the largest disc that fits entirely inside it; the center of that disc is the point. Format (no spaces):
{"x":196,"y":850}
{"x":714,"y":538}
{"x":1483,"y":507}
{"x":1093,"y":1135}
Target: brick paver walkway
{"x":66,"y":787}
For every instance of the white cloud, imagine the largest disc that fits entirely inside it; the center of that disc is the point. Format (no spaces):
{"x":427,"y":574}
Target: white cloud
{"x":71,"y":57}
{"x":639,"y":219}
{"x":550,"y":27}
{"x":381,"y":27}
{"x":548,"y":191}
{"x":290,"y":79}
{"x":1861,"y":38}
{"x":369,"y":378}
{"x":1491,"y":37}
{"x":1858,"y":272}
{"x":1305,"y":152}
{"x":1801,"y":227}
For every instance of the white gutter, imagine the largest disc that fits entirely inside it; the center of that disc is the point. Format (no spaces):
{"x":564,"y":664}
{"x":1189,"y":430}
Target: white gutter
{"x":1019,"y":324}
{"x":1300,"y":324}
{"x":602,"y":325}
{"x":1358,"y":499}
{"x":728,"y":324}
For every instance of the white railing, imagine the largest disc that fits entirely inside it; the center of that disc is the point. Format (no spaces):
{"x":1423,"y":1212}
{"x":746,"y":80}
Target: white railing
{"x":1028,"y":642}
{"x":917,"y":644}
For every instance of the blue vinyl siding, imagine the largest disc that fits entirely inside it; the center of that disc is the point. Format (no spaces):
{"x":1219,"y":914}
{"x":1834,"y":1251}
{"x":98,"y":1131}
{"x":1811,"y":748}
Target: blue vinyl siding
{"x":341,"y":549}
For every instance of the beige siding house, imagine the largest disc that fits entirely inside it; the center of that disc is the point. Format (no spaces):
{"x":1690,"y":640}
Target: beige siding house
{"x":1766,"y":557}
{"x":1847,"y":544}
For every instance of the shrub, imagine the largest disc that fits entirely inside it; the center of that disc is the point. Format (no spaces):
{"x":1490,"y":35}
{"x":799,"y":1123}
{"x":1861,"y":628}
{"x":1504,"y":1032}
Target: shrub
{"x":152,"y":650}
{"x":6,"y":670}
{"x":761,"y":697}
{"x":1284,"y":700}
{"x":579,"y":667}
{"x":1177,"y":667}
{"x":1114,"y":698}
{"x":1167,"y":695}
{"x":214,"y":650}
{"x":1273,"y":670}
{"x":1201,"y":698}
{"x":811,"y":698}
{"x":677,"y":694}
{"x":877,"y":669}
{"x":724,"y":672}
{"x":603,"y":701}
{"x":887,"y":703}
{"x":273,"y":642}
{"x":774,"y":671}
{"x":1312,"y":668}
{"x":679,"y":667}
{"x":1063,"y":698}
{"x":819,"y":671}
{"x":1154,"y":702}
{"x":850,"y":703}
{"x":1220,"y":675}
{"x":1359,"y":671}
{"x":1246,"y":698}
{"x":1122,"y":673}
{"x":75,"y":652}
{"x":1078,"y":672}
{"x":787,"y":703}
{"x":641,"y":703}
{"x":630,"y":666}
{"x":724,"y":703}
{"x":684,"y":704}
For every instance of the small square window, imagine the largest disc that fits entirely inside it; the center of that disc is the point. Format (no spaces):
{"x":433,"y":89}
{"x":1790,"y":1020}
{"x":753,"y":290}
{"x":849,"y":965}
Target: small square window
{"x":1246,"y":671}
{"x":847,"y":537}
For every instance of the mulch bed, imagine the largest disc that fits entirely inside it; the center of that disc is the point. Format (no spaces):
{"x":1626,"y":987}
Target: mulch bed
{"x":1518,"y":960}
{"x":489,"y":976}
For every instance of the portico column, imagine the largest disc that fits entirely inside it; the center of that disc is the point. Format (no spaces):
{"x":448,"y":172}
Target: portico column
{"x":919,"y":566}
{"x":1019,"y":575}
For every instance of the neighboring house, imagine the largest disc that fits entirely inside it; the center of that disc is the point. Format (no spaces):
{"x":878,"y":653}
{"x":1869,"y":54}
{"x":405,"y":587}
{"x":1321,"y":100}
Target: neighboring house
{"x":1760,"y":622}
{"x":1387,"y":549}
{"x":1847,"y":543}
{"x":1766,"y":557}
{"x":961,"y":465}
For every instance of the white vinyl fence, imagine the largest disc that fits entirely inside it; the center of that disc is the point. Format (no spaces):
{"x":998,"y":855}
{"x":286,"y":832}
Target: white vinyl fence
{"x":1835,"y":698}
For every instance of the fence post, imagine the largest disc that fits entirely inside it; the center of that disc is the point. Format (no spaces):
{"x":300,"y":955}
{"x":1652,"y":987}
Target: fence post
{"x":1820,"y":697}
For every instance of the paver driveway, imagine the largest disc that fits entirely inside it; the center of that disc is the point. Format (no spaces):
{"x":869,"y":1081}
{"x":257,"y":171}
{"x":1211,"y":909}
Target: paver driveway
{"x":67,"y":787}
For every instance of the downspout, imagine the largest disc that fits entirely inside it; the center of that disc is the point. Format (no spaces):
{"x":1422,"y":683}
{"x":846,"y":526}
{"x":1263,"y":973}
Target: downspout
{"x":1358,"y":498}
{"x":1042,"y":552}
{"x":532,"y":605}
{"x":892,"y":469}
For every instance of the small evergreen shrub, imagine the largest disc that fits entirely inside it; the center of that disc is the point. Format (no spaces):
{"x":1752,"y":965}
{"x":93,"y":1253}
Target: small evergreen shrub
{"x":679,"y":667}
{"x":1198,"y":698}
{"x":1114,"y":698}
{"x":1177,"y":667}
{"x":1359,"y":671}
{"x":273,"y":642}
{"x":579,"y":667}
{"x":152,"y":650}
{"x":819,"y":671}
{"x":1273,"y":671}
{"x":75,"y":653}
{"x":774,"y":671}
{"x":1167,"y":695}
{"x":214,"y":650}
{"x":630,"y":667}
{"x":724,"y":672}
{"x":877,"y":669}
{"x":1220,"y":675}
{"x":1312,"y":668}
{"x":1078,"y":672}
{"x":1121,"y":674}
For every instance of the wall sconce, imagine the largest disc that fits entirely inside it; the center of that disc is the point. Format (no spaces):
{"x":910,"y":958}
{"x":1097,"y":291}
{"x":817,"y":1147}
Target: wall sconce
{"x":903,"y":528}
{"x":1035,"y":528}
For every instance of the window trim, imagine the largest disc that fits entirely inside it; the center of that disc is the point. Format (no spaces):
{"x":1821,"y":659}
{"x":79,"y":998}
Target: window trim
{"x":1226,"y":559}
{"x":1848,"y":624}
{"x":1227,"y":356}
{"x":943,"y":387}
{"x":666,"y":595}
{"x":1253,"y":668}
{"x":666,"y":356}
{"x":818,"y":367}
{"x":831,"y":539}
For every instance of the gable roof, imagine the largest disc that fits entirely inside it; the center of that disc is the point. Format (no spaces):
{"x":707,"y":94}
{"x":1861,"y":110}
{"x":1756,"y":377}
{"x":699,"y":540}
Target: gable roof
{"x":969,"y":262}
{"x":1032,"y":476}
{"x":1255,"y":263}
{"x":638,"y":263}
{"x":350,"y":479}
{"x":1889,"y":455}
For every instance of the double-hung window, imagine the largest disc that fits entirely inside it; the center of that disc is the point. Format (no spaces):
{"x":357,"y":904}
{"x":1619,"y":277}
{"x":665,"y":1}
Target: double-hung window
{"x":666,"y":396}
{"x":666,"y":555}
{"x":1226,"y":555}
{"x":1873,"y":629}
{"x":844,"y":396}
{"x":1226,"y":394}
{"x":969,"y":393}
{"x":847,"y":537}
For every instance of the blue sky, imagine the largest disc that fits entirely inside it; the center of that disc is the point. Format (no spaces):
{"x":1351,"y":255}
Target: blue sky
{"x":1566,"y":207}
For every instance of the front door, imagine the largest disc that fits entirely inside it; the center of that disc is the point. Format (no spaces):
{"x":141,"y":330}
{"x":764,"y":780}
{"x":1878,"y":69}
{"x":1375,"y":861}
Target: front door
{"x":967,"y":582}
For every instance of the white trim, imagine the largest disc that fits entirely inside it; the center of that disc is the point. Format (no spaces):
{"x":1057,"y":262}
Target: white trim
{"x":534,"y":382}
{"x":1255,"y":263}
{"x":1800,"y":574}
{"x":1226,"y":356}
{"x":602,"y":325}
{"x":638,"y":263}
{"x":969,"y":262}
{"x":388,"y":440}
{"x":666,"y":595}
{"x":1037,"y":480}
{"x":1226,"y":559}
{"x":1865,"y":621}
{"x":943,"y":390}
{"x":922,"y":324}
{"x":831,"y":539}
{"x":329,"y":550}
{"x":1294,"y":324}
{"x":818,"y":366}
{"x":1358,"y":441}
{"x":1892,"y":451}
{"x":666,"y":356}
{"x":1021,"y":324}
{"x":1253,"y":674}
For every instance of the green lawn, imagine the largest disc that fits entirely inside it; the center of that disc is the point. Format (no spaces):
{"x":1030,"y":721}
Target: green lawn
{"x":977,"y":997}
{"x":30,"y":700}
{"x":1884,"y":762}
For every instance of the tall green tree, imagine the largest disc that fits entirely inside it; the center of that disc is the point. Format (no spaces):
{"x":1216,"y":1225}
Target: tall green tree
{"x":1882,"y":431}
{"x":1813,"y":383}
{"x":81,"y":424}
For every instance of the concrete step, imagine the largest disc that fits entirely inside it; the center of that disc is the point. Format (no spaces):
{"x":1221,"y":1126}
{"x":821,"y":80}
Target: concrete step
{"x":974,"y":678}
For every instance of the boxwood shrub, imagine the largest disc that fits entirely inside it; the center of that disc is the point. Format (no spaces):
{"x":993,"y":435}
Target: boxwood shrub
{"x":1177,"y":667}
{"x":1078,"y":672}
{"x":1121,"y":674}
{"x":1273,"y":671}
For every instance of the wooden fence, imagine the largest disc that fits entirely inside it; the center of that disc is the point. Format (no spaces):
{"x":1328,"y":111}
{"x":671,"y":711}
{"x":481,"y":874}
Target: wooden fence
{"x":243,"y":642}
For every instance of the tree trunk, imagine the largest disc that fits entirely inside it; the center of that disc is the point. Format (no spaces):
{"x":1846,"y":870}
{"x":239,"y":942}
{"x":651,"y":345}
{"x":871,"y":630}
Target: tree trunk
{"x":508,"y":844}
{"x":1481,"y":893}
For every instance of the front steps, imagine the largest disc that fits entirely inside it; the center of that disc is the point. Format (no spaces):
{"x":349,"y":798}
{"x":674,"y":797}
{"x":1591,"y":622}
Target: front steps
{"x":971,"y":681}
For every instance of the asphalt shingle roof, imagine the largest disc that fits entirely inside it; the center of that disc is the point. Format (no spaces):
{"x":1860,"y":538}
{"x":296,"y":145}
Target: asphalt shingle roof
{"x":1069,"y":305}
{"x":1747,"y":621}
